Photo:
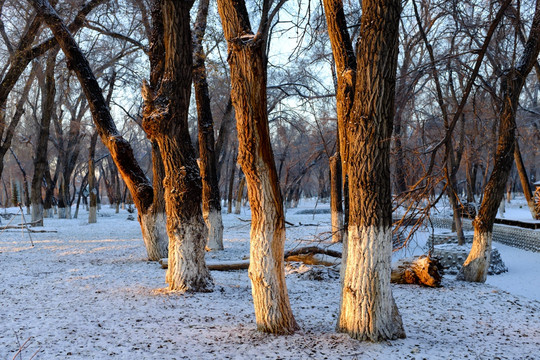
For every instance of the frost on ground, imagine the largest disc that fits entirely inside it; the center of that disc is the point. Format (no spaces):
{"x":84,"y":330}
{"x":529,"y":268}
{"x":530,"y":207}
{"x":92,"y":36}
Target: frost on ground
{"x":87,"y":292}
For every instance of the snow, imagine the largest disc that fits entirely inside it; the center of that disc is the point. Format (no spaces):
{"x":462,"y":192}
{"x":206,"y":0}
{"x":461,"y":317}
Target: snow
{"x":87,"y":292}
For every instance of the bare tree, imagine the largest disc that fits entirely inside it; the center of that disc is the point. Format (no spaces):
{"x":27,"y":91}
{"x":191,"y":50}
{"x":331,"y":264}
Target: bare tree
{"x":247,"y":60}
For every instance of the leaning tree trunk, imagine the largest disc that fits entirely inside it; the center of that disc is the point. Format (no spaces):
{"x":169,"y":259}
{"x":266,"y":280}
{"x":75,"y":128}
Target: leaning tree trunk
{"x":525,"y":184}
{"x":273,"y":312}
{"x":210,"y":192}
{"x":165,"y":121}
{"x":368,"y":310}
{"x":120,"y":150}
{"x":477,"y":263}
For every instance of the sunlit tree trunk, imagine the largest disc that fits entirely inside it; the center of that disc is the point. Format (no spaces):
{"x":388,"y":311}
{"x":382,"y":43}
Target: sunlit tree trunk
{"x":368,"y":310}
{"x":477,"y":263}
{"x":165,"y":121}
{"x":273,"y":313}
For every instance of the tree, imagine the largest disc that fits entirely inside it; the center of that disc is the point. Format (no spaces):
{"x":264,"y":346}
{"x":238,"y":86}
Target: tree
{"x":247,"y":61}
{"x":477,"y":263}
{"x":210,"y":192}
{"x":368,"y":310}
{"x":165,"y":121}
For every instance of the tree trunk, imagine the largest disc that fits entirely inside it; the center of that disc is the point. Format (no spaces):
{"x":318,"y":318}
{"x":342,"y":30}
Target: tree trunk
{"x":231,"y":185}
{"x":239,"y":194}
{"x":165,"y":121}
{"x":525,"y":184}
{"x":40,"y":159}
{"x":154,"y":222}
{"x":368,"y":310}
{"x":92,"y":211}
{"x":477,"y":263}
{"x":335,"y":198}
{"x":211,"y":204}
{"x":273,"y":312}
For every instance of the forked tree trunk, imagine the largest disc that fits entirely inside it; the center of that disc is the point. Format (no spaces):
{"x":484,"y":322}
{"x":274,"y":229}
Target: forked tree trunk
{"x":335,"y":198}
{"x":211,"y":202}
{"x":273,"y":312}
{"x":165,"y":121}
{"x":368,"y":310}
{"x":477,"y":263}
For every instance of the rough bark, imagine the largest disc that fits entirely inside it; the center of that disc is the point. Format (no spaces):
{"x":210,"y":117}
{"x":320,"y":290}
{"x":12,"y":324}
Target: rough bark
{"x":368,"y":310}
{"x":477,"y":263}
{"x":211,"y":202}
{"x":248,"y":91}
{"x":165,"y":121}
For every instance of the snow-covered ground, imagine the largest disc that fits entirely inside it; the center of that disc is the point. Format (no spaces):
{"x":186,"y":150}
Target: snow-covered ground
{"x":87,"y":292}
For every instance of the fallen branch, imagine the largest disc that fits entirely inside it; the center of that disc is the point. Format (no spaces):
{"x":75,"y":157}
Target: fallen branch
{"x":421,"y":270}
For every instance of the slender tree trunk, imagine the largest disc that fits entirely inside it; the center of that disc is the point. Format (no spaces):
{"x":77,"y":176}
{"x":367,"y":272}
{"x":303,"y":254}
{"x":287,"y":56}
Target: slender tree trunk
{"x":211,"y":204}
{"x":273,"y":313}
{"x":40,"y":158}
{"x":368,"y":310}
{"x":477,"y":263}
{"x":524,"y":178}
{"x":165,"y":121}
{"x":239,"y":194}
{"x":335,"y":198}
{"x":92,"y":211}
{"x":231,"y":185}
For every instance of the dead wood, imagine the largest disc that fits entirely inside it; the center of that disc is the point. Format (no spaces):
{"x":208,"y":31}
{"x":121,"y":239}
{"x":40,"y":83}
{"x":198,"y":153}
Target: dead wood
{"x":420,"y":270}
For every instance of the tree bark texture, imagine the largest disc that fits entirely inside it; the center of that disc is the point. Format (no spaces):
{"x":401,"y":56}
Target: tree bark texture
{"x":92,"y":211}
{"x":211,"y":202}
{"x":476,"y":265}
{"x":368,"y":310}
{"x":119,"y":148}
{"x":165,"y":121}
{"x":248,"y":91}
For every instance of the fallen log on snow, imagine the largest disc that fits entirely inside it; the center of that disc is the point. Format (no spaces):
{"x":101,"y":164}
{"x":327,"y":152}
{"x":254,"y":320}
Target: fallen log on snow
{"x":421,"y":270}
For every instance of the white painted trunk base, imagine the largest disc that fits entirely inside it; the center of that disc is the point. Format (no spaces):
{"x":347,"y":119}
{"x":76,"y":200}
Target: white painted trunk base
{"x":476,"y":265}
{"x":154,"y":231}
{"x":337,"y":226}
{"x":187,"y":269}
{"x":214,"y":223}
{"x":273,"y":312}
{"x":37,"y":214}
{"x":92,"y":215}
{"x":368,"y":310}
